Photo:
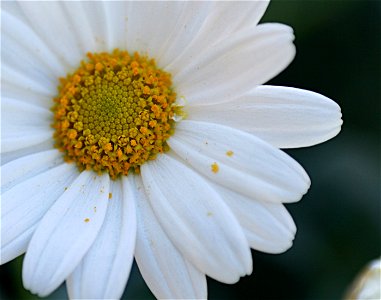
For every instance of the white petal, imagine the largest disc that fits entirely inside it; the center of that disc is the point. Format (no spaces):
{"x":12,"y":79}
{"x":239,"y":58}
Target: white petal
{"x":83,"y":17}
{"x":20,"y":116}
{"x":253,"y":167}
{"x":66,"y":233}
{"x":66,"y":47}
{"x":18,"y":86}
{"x":26,"y":138}
{"x":237,"y":14}
{"x":268,"y":226}
{"x":104,"y":270}
{"x":25,"y":204}
{"x":10,"y":156}
{"x":34,"y":50}
{"x":234,"y":66}
{"x":23,"y":125}
{"x":167,"y":273}
{"x":18,"y":59}
{"x":192,"y":213}
{"x":27,"y":167}
{"x":174,"y":25}
{"x":20,"y":138}
{"x":284,"y":117}
{"x":116,"y":16}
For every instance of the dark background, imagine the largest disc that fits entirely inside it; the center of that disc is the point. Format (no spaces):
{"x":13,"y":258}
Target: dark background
{"x":339,"y":230}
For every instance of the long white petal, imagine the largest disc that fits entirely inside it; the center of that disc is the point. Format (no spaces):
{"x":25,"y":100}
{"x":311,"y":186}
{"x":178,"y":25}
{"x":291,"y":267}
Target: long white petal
{"x":103,"y":272}
{"x":172,"y":35}
{"x":236,"y":65}
{"x":167,"y":273}
{"x":16,"y":140}
{"x":23,"y":206}
{"x":25,"y":40}
{"x":17,"y":58}
{"x":44,"y":146}
{"x":16,"y":85}
{"x":66,"y":47}
{"x":23,"y":113}
{"x":197,"y":221}
{"x":235,"y":13}
{"x":27,"y":167}
{"x":284,"y":117}
{"x":23,"y":124}
{"x":82,"y":17}
{"x":240,"y":161}
{"x":268,"y":226}
{"x":66,"y":233}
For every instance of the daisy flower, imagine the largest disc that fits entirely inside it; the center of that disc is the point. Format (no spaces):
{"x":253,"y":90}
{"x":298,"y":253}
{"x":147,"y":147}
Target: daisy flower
{"x":143,"y":130}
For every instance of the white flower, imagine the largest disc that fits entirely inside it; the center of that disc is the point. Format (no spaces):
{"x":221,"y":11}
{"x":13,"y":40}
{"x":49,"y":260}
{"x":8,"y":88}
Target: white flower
{"x":195,"y":210}
{"x":367,"y":284}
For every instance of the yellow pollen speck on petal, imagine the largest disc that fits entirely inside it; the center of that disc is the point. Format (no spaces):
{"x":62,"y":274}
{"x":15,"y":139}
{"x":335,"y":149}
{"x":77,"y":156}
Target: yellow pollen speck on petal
{"x":215,"y":168}
{"x":87,"y":220}
{"x":114,"y":113}
{"x":109,"y":195}
{"x":229,"y":153}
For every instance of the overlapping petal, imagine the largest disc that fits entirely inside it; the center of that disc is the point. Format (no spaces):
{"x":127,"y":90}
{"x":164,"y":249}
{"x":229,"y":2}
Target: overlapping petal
{"x":245,"y":163}
{"x":196,"y":220}
{"x":234,"y":66}
{"x":20,"y":131}
{"x":237,"y":14}
{"x":268,"y":226}
{"x":103,"y":272}
{"x":65,"y":233}
{"x":27,"y":200}
{"x":165,"y":270}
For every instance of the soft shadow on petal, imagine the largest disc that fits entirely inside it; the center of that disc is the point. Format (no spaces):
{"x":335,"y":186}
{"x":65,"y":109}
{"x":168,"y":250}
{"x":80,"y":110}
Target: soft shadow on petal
{"x":283,"y":116}
{"x":66,"y":233}
{"x":104,"y":271}
{"x":240,"y":161}
{"x":167,"y":273}
{"x":192,"y":213}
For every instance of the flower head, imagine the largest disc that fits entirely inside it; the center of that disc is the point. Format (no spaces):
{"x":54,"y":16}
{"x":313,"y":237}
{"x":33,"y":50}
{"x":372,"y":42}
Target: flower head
{"x":143,"y":129}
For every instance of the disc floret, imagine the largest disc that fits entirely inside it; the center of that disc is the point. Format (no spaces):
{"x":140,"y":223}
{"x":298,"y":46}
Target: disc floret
{"x":114,"y":113}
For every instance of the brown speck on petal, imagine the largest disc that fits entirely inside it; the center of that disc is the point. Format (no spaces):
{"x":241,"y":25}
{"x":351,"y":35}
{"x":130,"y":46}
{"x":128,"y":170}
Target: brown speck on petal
{"x":109,"y":195}
{"x":87,"y":220}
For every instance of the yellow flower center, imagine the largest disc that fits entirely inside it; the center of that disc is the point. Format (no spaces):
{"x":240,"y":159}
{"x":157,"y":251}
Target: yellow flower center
{"x":114,"y":112}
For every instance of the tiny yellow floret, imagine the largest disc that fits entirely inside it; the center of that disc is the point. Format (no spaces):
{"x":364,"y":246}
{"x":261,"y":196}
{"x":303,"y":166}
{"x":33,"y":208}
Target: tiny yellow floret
{"x":214,"y":166}
{"x":114,"y":113}
{"x":229,"y":153}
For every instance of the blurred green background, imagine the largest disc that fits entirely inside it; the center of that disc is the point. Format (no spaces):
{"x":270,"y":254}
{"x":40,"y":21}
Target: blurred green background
{"x":338,"y":55}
